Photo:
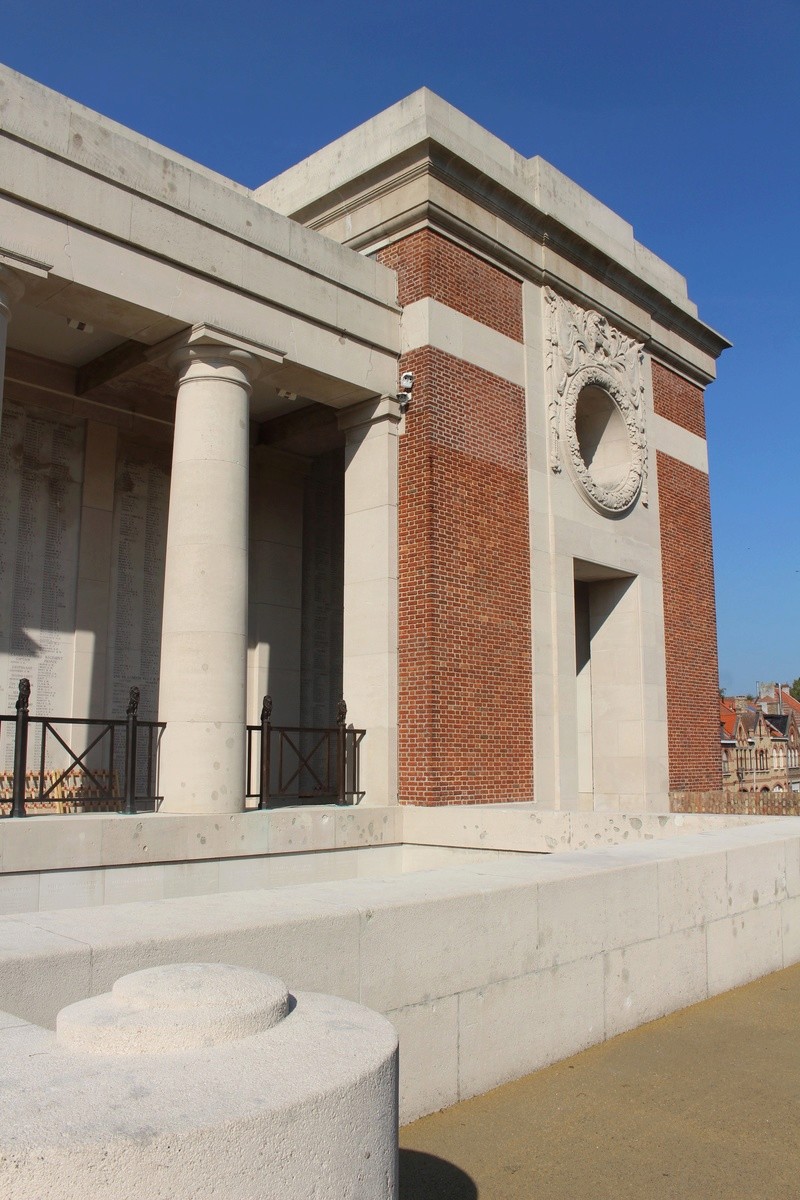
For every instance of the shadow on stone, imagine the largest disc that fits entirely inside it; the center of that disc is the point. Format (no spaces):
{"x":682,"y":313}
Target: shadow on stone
{"x":426,"y":1177}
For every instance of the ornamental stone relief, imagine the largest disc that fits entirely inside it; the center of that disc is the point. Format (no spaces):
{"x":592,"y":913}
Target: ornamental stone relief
{"x":596,"y":413}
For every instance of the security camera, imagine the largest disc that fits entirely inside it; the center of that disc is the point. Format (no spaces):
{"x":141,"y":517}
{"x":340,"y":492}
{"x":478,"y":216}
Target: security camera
{"x":406,"y":385}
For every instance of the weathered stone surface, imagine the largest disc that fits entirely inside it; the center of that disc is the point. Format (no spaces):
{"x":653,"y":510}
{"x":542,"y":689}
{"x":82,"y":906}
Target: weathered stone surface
{"x":199,"y":1079}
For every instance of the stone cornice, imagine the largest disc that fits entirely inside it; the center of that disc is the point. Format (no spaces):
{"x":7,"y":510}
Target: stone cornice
{"x":431,"y":173}
{"x":371,"y":412}
{"x":26,"y":263}
{"x":39,"y":120}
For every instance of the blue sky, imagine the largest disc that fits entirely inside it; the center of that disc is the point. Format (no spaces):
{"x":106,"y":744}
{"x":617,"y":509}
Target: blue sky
{"x":684,"y":118}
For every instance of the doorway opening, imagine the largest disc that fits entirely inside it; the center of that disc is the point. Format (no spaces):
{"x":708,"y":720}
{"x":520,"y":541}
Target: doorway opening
{"x":609,"y":697}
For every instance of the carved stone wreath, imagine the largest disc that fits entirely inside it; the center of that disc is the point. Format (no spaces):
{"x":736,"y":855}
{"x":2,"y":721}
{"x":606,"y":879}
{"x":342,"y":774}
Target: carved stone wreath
{"x":584,"y":351}
{"x":620,"y":496}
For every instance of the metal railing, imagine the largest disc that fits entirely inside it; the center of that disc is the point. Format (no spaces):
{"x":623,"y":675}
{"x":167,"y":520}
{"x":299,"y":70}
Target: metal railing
{"x":285,"y":764}
{"x":293,"y":764}
{"x":90,"y":780}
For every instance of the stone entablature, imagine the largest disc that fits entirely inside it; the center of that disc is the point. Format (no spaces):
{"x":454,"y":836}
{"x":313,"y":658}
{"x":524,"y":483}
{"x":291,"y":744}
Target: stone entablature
{"x":111,"y":213}
{"x":422,"y":164}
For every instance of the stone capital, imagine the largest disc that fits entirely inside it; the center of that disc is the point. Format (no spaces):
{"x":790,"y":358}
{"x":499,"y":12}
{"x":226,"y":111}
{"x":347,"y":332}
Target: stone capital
{"x":11,"y":289}
{"x":214,"y":363}
{"x":226,"y":355}
{"x":381,"y":410}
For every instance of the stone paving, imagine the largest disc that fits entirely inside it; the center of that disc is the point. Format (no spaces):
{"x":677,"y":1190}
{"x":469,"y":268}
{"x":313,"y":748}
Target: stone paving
{"x":701,"y":1105}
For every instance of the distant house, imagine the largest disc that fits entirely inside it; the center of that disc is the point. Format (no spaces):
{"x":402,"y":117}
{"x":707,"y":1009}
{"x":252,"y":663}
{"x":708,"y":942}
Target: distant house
{"x":776,"y":699}
{"x":760,"y":741}
{"x":727,"y":732}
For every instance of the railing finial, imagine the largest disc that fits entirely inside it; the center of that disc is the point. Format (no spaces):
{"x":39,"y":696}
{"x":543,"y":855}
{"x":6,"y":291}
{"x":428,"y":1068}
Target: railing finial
{"x":266,"y":708}
{"x":24,"y":694}
{"x":341,"y":712}
{"x":133,"y":702}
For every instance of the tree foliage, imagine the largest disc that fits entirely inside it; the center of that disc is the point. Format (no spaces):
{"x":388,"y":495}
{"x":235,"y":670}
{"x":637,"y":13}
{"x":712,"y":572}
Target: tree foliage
{"x":795,"y":689}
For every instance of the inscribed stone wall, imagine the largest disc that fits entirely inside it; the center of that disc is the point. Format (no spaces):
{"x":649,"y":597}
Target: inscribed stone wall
{"x":323,"y":590}
{"x":275,"y":585}
{"x":141,"y":509}
{"x":41,"y":474}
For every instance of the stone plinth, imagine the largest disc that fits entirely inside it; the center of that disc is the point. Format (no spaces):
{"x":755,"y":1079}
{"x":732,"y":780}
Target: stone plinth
{"x":201,"y":1079}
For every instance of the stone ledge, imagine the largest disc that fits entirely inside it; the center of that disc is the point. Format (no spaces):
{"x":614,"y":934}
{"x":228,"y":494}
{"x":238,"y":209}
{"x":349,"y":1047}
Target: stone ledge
{"x":83,"y":841}
{"x":89,"y":840}
{"x":523,"y":827}
{"x":485,"y":966}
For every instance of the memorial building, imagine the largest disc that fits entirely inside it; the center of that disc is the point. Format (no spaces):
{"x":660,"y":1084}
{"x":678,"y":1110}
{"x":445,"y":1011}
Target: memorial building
{"x":418,"y":423}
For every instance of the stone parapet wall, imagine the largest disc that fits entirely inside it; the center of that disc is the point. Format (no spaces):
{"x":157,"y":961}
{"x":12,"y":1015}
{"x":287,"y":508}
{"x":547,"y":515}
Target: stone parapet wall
{"x":553,"y":953}
{"x":522,"y":828}
{"x":51,"y":863}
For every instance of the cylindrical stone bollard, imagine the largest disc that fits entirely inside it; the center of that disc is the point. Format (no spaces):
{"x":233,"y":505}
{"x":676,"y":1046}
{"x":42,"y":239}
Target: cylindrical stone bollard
{"x":200,"y":1080}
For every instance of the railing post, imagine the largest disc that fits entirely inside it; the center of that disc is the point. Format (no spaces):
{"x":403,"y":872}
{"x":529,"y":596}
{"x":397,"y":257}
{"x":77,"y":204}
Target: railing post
{"x":131,"y":729}
{"x":341,"y":753}
{"x":20,"y":749}
{"x":264,"y":759}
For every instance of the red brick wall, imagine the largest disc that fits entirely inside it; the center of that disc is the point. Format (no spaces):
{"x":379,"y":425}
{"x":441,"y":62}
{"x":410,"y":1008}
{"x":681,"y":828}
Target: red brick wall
{"x":464,"y":629}
{"x":428,"y":265}
{"x":678,"y":400}
{"x":690,"y":627}
{"x":465,"y":728}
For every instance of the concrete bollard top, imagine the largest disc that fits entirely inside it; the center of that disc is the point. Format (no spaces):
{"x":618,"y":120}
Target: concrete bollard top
{"x":174,"y":1008}
{"x":198,"y":1079}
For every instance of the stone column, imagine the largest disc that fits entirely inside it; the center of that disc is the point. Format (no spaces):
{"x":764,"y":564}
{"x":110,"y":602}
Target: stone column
{"x":11,"y":289}
{"x":370,"y":589}
{"x":204,"y":632}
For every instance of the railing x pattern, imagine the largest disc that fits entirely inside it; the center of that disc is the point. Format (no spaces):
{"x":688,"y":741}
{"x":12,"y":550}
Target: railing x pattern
{"x":90,"y":778}
{"x":303,"y":764}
